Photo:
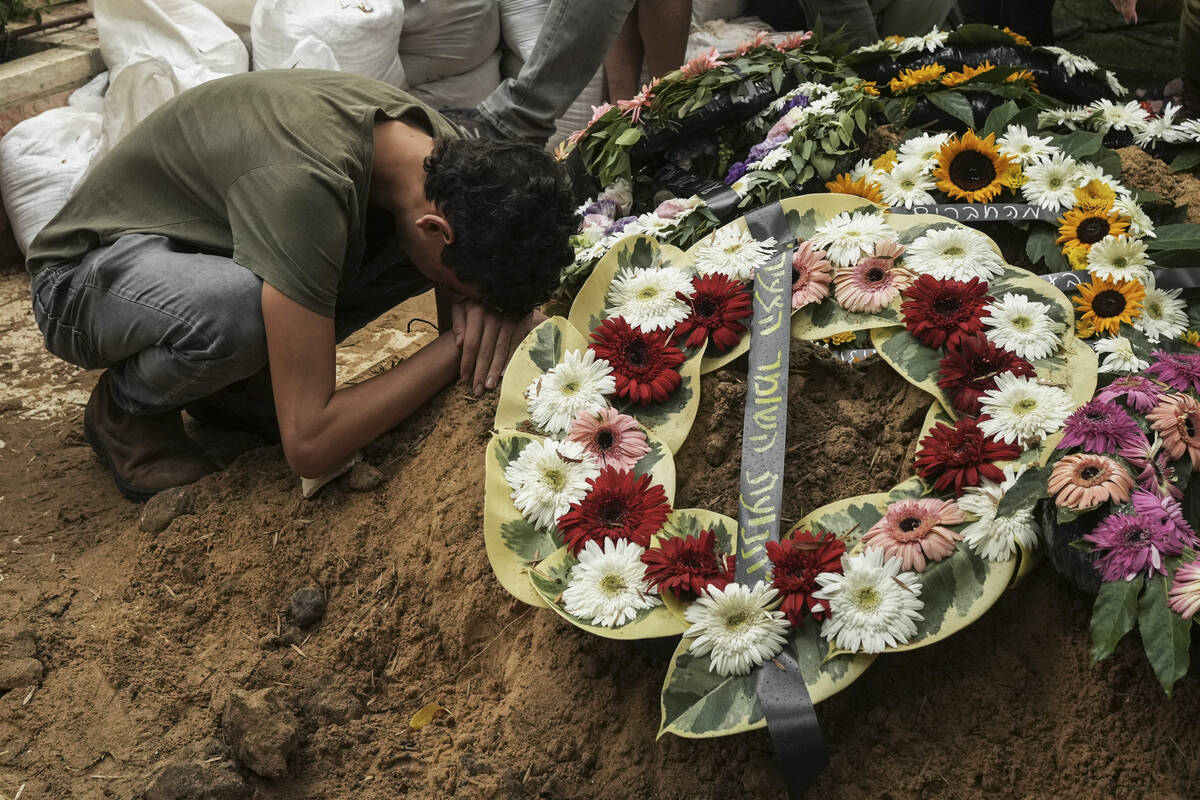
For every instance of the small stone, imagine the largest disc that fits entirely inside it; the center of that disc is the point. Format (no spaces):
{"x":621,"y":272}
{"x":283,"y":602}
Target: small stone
{"x":364,"y":478}
{"x":17,"y":643}
{"x":307,"y":606}
{"x":162,"y":509}
{"x":16,"y":672}
{"x":197,"y":780}
{"x":337,"y":706}
{"x":262,"y":733}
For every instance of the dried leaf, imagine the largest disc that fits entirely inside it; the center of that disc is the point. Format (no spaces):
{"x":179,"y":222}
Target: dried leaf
{"x":428,"y":713}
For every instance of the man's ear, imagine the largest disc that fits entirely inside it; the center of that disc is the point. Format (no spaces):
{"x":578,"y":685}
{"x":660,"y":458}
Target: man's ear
{"x":436,"y":225}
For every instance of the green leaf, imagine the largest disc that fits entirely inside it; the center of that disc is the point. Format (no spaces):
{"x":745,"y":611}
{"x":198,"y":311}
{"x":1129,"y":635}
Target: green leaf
{"x":699,"y":703}
{"x":802,"y":226}
{"x":647,"y":462}
{"x":955,"y":582}
{"x":1029,"y":488}
{"x":1041,"y":248}
{"x":507,"y":450}
{"x":1175,"y":237}
{"x":1080,"y":144}
{"x":1113,"y":615}
{"x":547,"y":350}
{"x":999,"y":118}
{"x":1186,"y":161}
{"x":1165,"y":635}
{"x":629,"y":137}
{"x":954,"y":104}
{"x":528,"y":542}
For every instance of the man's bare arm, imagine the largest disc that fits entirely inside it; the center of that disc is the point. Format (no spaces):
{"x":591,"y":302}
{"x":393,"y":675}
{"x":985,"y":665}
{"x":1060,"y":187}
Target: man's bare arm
{"x":320,"y":427}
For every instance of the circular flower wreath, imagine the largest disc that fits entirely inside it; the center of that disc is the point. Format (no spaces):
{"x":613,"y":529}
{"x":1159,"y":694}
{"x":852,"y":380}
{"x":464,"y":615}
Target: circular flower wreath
{"x":580,"y":486}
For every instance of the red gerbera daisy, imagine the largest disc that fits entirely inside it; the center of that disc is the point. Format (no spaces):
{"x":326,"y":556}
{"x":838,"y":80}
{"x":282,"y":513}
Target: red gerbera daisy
{"x":961,"y":455}
{"x":618,"y":506}
{"x":937,"y":312}
{"x":645,"y":365}
{"x":718,"y":305}
{"x":970,"y":367}
{"x":688,"y":564}
{"x":796,"y":562}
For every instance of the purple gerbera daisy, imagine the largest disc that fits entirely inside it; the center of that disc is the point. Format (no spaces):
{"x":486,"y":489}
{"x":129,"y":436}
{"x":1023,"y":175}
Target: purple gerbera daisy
{"x":1128,"y":544}
{"x":1139,"y":392}
{"x":1169,"y":513}
{"x":1157,"y":476}
{"x":1100,"y":427}
{"x":1178,"y":370}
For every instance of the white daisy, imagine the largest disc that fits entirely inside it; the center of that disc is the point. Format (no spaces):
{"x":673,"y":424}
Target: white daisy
{"x":1164,"y":315}
{"x":577,"y":383}
{"x":547,"y":477}
{"x":1120,"y":356}
{"x":1159,"y":129}
{"x":1120,"y":116}
{"x":1119,"y":258}
{"x":1140,"y":225}
{"x":955,"y":253}
{"x":1023,"y":411}
{"x":907,"y":185}
{"x":997,"y":538}
{"x":647,"y":297}
{"x":863,"y":169}
{"x":1051,"y":182}
{"x":650,"y":224}
{"x":1114,"y":85}
{"x":1063,"y":117}
{"x":732,"y":252}
{"x":1070,"y":62}
{"x":927,"y":43}
{"x":849,"y":236}
{"x":1023,"y":146}
{"x":923,"y":148}
{"x":734,"y":627}
{"x":872,"y":604}
{"x":608,"y":586}
{"x":1189,"y":130}
{"x":774,"y":158}
{"x":1022,"y":326}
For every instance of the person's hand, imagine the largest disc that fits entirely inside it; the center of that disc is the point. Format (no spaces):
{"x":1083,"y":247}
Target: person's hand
{"x":487,"y":339}
{"x":1126,"y":8}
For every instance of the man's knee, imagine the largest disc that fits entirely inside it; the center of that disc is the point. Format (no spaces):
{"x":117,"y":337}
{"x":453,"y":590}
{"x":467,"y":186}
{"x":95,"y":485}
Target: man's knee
{"x":235,"y":334}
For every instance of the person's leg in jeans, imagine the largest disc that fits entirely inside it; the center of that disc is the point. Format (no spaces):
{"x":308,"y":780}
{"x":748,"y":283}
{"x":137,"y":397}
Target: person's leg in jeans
{"x":570,"y":47}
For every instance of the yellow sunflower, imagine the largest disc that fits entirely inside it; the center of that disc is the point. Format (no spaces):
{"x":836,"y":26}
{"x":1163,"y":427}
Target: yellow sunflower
{"x":1095,"y":196}
{"x":862,"y":187}
{"x":869,"y":87}
{"x":1080,"y":228}
{"x":1105,"y":304}
{"x":966,"y":73}
{"x":912,"y":78}
{"x":972,"y":169}
{"x":1084,"y":329}
{"x":885,"y":161}
{"x":1016,"y":37}
{"x":1028,"y":77}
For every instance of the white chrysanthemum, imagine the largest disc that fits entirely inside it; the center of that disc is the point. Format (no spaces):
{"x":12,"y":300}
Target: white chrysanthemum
{"x":735,"y":629}
{"x":907,"y":185}
{"x":1063,"y":117}
{"x":774,"y":158}
{"x":1051,"y":182}
{"x":954,"y":253}
{"x":1119,"y":258}
{"x":850,"y":236}
{"x":997,"y":538}
{"x":1120,"y":356}
{"x":733,"y":253}
{"x":923,"y":148}
{"x":926,"y":43}
{"x":608,"y":586}
{"x":863,"y":169}
{"x":650,"y":224}
{"x":1020,"y":144}
{"x":579,"y":382}
{"x":1140,"y":225}
{"x":1159,"y":129}
{"x":1189,"y":130}
{"x":1164,"y":315}
{"x":547,"y":477}
{"x":1022,"y":326}
{"x":1120,"y":116}
{"x":1023,"y":411}
{"x":647,"y":297}
{"x":1070,"y":62}
{"x":1114,"y":85}
{"x":872,"y":604}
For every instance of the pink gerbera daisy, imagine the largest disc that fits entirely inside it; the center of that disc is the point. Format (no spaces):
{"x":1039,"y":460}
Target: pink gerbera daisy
{"x":915,"y":530}
{"x":795,"y":41}
{"x":638,"y":103}
{"x":1184,"y":597}
{"x":759,"y":40}
{"x":1127,"y":544}
{"x":702,"y":64}
{"x":811,"y":274}
{"x":615,"y":439}
{"x":1176,"y":418}
{"x":1084,"y":480}
{"x":874,"y":282}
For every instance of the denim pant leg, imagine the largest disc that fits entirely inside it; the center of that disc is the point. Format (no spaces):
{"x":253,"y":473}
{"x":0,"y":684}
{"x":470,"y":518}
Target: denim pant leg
{"x":171,"y":326}
{"x":570,"y":47}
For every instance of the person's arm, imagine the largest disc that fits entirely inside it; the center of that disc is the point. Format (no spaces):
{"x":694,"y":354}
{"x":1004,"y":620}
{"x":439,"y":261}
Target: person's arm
{"x":320,"y":427}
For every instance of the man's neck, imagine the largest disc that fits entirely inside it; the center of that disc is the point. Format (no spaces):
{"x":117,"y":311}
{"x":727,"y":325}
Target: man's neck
{"x":398,"y":171}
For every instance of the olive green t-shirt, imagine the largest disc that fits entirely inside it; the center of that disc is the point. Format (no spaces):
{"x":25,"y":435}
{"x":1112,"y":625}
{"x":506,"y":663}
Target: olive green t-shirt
{"x":269,"y":168}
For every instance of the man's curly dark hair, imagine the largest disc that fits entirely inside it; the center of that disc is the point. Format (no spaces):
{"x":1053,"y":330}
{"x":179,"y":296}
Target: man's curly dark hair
{"x":511,"y":209}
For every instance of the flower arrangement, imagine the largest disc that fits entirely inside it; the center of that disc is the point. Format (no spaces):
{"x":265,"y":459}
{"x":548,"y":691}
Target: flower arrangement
{"x":1124,"y":466}
{"x":580,"y":511}
{"x":1132,"y":122}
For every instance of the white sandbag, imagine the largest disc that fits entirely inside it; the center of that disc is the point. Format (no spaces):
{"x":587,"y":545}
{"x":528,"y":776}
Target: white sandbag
{"x":705,"y":10}
{"x":311,"y":53}
{"x":182,"y":33}
{"x":234,"y":13}
{"x":520,"y":24}
{"x":362,"y":36}
{"x":580,"y":112}
{"x":41,"y":160}
{"x":443,"y":38}
{"x":462,"y":91}
{"x":90,"y":96}
{"x":134,"y":91}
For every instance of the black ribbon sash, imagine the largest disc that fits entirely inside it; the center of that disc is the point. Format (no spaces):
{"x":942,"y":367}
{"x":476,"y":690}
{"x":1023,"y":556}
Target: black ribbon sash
{"x":800,"y":750}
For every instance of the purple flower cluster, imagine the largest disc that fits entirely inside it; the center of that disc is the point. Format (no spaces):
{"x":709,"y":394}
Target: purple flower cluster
{"x":736,"y":170}
{"x":762,"y":148}
{"x":619,"y":225}
{"x":799,"y":101}
{"x":1101,"y":426}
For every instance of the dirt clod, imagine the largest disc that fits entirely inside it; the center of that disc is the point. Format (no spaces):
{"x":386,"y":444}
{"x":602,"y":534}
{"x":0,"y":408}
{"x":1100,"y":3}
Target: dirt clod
{"x":16,"y":672}
{"x":307,"y":606}
{"x":337,"y":706}
{"x":364,"y":478}
{"x":162,"y":509}
{"x":199,"y":780}
{"x":261,"y":731}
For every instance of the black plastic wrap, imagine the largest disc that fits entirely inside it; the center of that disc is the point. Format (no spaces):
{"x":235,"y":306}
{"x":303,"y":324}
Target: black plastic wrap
{"x":1074,"y":565}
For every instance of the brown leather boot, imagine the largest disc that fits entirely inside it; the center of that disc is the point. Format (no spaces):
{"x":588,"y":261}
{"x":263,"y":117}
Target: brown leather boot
{"x":145,"y":454}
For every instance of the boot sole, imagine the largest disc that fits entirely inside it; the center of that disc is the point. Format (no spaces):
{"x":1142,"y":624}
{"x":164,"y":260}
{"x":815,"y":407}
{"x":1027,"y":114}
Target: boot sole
{"x":130,"y":491}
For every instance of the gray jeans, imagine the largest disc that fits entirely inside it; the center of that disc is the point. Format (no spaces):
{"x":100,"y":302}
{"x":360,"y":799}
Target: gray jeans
{"x":570,"y":47}
{"x":173,"y":326}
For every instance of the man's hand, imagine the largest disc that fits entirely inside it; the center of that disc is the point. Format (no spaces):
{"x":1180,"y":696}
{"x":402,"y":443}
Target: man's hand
{"x":487,"y":339}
